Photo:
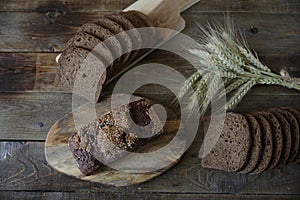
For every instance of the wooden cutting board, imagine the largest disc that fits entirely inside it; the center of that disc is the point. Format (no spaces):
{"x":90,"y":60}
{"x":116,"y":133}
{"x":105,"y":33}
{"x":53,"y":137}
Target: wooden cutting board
{"x":60,"y":157}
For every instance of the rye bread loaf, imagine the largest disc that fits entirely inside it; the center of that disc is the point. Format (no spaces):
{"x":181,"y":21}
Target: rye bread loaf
{"x":286,"y":138}
{"x":256,"y":147}
{"x":114,"y":135}
{"x":267,"y":144}
{"x":230,"y":152}
{"x":294,"y":133}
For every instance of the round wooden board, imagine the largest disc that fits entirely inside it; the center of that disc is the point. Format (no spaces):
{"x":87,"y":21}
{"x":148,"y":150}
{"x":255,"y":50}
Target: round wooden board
{"x":60,"y":157}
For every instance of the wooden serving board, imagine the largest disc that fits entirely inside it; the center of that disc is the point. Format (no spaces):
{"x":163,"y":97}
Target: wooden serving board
{"x":60,"y":157}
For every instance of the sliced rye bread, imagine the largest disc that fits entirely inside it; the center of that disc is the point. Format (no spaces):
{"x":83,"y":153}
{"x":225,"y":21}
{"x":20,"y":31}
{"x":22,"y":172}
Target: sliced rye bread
{"x":294,"y":133}
{"x":256,"y":148}
{"x":92,"y":43}
{"x":277,"y":138}
{"x":85,"y":161}
{"x":267,"y":144}
{"x":120,"y":35}
{"x":231,"y":150}
{"x":130,"y":29}
{"x":70,"y":62}
{"x":286,"y":136}
{"x":140,"y":20}
{"x":296,"y":114}
{"x":112,"y":136}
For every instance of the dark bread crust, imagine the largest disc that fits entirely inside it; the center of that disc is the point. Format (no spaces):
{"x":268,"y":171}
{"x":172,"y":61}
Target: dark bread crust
{"x":286,"y":138}
{"x":256,"y":149}
{"x":267,"y":144}
{"x":231,"y":151}
{"x":294,"y":133}
{"x":296,"y":114}
{"x":277,"y":138}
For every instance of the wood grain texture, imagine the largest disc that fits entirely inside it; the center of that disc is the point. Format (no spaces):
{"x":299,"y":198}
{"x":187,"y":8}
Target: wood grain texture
{"x":135,"y":196}
{"x":36,"y":32}
{"x":27,"y":169}
{"x":36,"y":71}
{"x":263,"y":6}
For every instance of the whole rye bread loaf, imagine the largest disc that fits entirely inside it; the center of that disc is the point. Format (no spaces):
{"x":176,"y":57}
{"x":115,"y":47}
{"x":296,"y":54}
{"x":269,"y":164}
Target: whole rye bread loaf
{"x":114,"y":135}
{"x":230,"y":152}
{"x":256,"y":147}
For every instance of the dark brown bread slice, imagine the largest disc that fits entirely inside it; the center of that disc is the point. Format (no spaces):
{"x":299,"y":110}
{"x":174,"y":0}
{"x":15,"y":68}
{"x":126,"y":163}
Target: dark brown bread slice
{"x":267,"y":144}
{"x":120,"y":34}
{"x":231,"y":150}
{"x":140,"y":20}
{"x":277,"y":138}
{"x":92,"y":43}
{"x":256,"y":148}
{"x":70,"y":62}
{"x":296,"y":114}
{"x":86,"y":162}
{"x":294,"y":133}
{"x":106,"y":36}
{"x":130,"y":29}
{"x":111,"y":136}
{"x":286,"y":136}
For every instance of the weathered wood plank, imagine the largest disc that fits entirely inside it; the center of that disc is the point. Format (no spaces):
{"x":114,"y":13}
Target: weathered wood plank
{"x":135,"y":196}
{"x":36,"y":71}
{"x":29,"y":116}
{"x":265,"y":6}
{"x":26,"y":169}
{"x":36,"y":32}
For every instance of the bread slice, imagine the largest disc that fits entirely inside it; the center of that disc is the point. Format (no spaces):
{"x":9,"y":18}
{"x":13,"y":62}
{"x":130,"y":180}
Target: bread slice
{"x":277,"y":138}
{"x":267,"y":144}
{"x":294,"y":133}
{"x":286,"y":138}
{"x":256,"y":147}
{"x":70,"y":62}
{"x":296,"y":114}
{"x":120,"y":35}
{"x":114,"y":135}
{"x":92,"y":43}
{"x":231,"y":150}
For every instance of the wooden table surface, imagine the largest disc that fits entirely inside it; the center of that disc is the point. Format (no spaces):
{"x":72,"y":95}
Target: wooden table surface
{"x":32,"y":33}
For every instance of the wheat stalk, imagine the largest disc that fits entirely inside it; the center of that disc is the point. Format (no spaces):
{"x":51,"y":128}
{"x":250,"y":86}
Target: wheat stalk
{"x":225,"y":53}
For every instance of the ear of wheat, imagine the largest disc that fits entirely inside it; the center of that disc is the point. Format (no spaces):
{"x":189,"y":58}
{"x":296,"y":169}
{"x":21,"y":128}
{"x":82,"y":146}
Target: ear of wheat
{"x":224,"y":52}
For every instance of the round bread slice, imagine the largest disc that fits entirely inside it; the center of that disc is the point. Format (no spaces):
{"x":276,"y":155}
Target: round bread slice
{"x":69,"y":63}
{"x":92,"y":43}
{"x":277,"y":138}
{"x":256,"y":149}
{"x":286,"y":138}
{"x":294,"y":133}
{"x":296,"y":114}
{"x":267,"y":144}
{"x":231,"y":150}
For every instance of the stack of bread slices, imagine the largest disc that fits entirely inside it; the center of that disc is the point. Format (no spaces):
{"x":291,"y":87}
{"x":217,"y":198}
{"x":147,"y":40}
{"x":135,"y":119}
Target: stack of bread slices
{"x":100,"y":50}
{"x":255,"y":142}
